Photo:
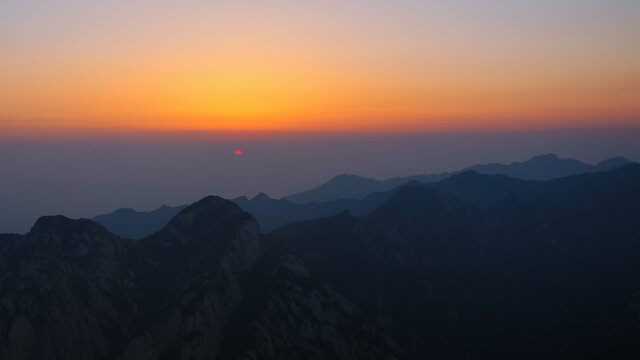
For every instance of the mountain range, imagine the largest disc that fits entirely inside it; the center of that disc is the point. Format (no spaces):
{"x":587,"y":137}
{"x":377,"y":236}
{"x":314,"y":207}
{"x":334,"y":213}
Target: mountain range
{"x":133,"y":224}
{"x":206,"y":286}
{"x":475,"y":266}
{"x":547,"y":270}
{"x":541,"y":167}
{"x":356,"y":194}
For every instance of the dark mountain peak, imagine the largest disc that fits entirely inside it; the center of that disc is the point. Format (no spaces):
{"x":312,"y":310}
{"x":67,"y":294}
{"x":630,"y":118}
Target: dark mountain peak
{"x":211,"y":225}
{"x":210,"y":203}
{"x":211,"y":210}
{"x":612,"y":162}
{"x":344,"y":186}
{"x":59,"y":224}
{"x":340,"y":177}
{"x":202,"y":235}
{"x":539,"y":167}
{"x":261,"y":197}
{"x":550,"y":162}
{"x":72,"y":239}
{"x":544,"y":157}
{"x":348,"y":179}
{"x":241,"y":200}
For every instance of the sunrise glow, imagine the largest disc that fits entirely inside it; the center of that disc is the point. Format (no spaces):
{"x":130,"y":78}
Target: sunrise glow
{"x":294,"y":67}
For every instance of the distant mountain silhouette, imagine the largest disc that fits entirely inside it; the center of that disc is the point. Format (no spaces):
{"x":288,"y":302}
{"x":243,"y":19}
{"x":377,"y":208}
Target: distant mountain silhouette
{"x":132,"y":224}
{"x":471,"y":186}
{"x":207,"y":286}
{"x":546,"y":167}
{"x":273,"y":213}
{"x":482,"y":190}
{"x":270,"y":213}
{"x":542,"y":167}
{"x":610,"y":163}
{"x":355,"y":187}
{"x":548,"y":270}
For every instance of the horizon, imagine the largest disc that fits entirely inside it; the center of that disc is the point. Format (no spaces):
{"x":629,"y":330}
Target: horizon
{"x":83,"y":179}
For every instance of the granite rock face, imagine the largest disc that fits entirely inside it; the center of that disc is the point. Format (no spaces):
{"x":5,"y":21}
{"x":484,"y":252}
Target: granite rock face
{"x":298,"y":317}
{"x":71,"y":290}
{"x":65,"y":291}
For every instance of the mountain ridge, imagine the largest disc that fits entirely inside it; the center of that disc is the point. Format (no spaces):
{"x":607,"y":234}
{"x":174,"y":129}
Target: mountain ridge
{"x":73,"y":290}
{"x":539,"y":167}
{"x":532,"y":268}
{"x":522,"y":277}
{"x":273,"y":213}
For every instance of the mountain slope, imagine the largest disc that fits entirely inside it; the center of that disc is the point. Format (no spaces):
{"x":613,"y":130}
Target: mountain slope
{"x":272,"y":213}
{"x":340,"y":187}
{"x":355,"y":187}
{"x":548,"y":270}
{"x":132,"y":224}
{"x":483,"y":190}
{"x":72,"y":290}
{"x":66,"y":292}
{"x":541,"y":167}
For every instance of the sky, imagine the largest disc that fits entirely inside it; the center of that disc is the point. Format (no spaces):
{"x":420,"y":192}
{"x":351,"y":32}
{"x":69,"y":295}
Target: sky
{"x":110,"y":104}
{"x":70,"y":66}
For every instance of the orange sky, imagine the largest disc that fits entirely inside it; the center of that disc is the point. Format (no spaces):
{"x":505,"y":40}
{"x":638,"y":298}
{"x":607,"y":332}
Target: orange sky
{"x":132,"y":66}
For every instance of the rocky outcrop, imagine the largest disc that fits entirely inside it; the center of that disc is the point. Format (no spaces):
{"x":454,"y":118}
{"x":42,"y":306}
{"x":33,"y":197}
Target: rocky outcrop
{"x":209,"y":248}
{"x":65,"y":292}
{"x":298,"y":317}
{"x":72,"y":290}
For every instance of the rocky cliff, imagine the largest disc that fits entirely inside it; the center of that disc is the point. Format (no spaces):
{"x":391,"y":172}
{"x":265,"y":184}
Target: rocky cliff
{"x":207,"y":286}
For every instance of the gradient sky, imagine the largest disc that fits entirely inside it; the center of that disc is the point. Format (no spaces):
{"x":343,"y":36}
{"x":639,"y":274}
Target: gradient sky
{"x":88,"y":66}
{"x":109,"y":104}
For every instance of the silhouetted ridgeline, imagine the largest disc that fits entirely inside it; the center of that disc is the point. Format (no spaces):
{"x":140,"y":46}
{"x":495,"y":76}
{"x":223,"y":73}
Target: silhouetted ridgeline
{"x":527,"y":269}
{"x":541,"y":167}
{"x":132,"y":224}
{"x":358,"y":195}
